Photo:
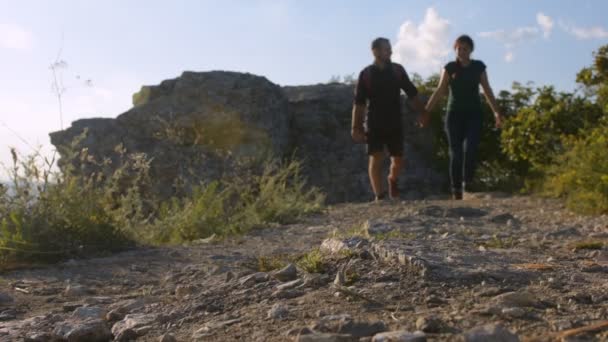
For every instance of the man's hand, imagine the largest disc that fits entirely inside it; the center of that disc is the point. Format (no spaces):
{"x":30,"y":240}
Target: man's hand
{"x":358,"y":135}
{"x":499,"y":119}
{"x":424,"y":119}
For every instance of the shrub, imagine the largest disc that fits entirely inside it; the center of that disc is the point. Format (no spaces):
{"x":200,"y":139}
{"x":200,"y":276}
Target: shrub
{"x":49,"y":215}
{"x":580,"y":175}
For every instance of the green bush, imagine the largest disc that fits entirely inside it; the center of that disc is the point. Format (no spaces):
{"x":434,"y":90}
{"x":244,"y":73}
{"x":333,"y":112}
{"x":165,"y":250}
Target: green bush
{"x":580,"y":175}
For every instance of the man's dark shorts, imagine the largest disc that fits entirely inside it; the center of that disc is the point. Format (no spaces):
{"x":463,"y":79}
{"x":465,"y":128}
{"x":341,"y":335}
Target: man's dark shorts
{"x":378,"y":140}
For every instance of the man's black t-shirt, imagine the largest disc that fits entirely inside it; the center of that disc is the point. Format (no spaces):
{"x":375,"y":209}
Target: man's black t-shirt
{"x":382,"y":88}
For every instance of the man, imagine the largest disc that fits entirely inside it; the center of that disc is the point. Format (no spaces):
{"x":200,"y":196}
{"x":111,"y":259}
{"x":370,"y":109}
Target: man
{"x":379,"y":89}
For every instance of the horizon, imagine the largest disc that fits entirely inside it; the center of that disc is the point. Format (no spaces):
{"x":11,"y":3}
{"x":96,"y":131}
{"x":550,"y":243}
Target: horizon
{"x":111,"y":53}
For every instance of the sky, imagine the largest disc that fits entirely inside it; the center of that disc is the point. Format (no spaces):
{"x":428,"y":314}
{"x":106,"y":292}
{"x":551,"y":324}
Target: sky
{"x":108,"y":49}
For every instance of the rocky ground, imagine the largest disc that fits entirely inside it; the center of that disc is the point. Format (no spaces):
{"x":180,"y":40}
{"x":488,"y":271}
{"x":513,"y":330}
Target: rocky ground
{"x":486,"y":269}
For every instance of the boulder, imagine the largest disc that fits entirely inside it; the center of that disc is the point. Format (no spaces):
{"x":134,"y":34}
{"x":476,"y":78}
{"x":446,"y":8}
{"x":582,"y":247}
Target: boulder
{"x":197,"y":127}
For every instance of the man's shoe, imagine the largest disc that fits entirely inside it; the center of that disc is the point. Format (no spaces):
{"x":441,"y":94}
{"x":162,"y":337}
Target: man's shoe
{"x":457,"y":196}
{"x":381,"y":197}
{"x":393,"y":190}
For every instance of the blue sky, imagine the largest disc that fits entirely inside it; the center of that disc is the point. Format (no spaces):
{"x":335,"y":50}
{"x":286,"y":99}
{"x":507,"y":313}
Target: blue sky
{"x":121,"y":45}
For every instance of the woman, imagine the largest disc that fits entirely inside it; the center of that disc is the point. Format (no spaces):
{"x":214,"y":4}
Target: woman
{"x":463,"y":120}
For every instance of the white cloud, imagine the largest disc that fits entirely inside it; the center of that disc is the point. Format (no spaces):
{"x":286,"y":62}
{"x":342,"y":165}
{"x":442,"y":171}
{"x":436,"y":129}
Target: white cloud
{"x":545,"y":22}
{"x":423,"y":48}
{"x":512,"y":37}
{"x":509,"y":56}
{"x":15,"y":38}
{"x":586,"y":33}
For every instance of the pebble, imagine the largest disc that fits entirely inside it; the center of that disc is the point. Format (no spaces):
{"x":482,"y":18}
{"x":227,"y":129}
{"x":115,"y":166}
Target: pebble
{"x":400,"y":336}
{"x":288,"y":273}
{"x":278,"y":311}
{"x":167,"y":338}
{"x":429,"y":324}
{"x":490,"y":332}
{"x":75,"y":290}
{"x":5,"y":298}
{"x":89,"y":312}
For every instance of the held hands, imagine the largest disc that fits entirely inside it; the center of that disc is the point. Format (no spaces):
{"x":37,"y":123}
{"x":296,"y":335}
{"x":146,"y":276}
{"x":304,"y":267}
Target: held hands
{"x":424,"y":119}
{"x":499,"y":119}
{"x":358,"y":135}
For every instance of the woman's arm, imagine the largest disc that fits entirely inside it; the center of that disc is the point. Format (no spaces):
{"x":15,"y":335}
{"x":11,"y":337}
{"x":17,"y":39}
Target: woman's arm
{"x":439,"y":92}
{"x":489,"y":95}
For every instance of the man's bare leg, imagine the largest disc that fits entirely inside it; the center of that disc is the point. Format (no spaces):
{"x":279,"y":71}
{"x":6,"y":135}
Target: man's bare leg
{"x":396,"y":165}
{"x":375,"y":173}
{"x":395,"y":169}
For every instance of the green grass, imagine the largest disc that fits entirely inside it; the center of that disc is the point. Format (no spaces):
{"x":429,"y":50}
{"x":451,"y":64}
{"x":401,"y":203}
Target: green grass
{"x":313,"y":262}
{"x":500,"y":243}
{"x":589,"y":245}
{"x":51,"y":216}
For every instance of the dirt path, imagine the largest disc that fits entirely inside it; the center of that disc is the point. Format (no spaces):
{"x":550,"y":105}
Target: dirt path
{"x":523,"y":266}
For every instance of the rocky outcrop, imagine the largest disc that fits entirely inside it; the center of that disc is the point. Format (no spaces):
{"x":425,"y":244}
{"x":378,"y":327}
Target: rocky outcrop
{"x":194,"y":127}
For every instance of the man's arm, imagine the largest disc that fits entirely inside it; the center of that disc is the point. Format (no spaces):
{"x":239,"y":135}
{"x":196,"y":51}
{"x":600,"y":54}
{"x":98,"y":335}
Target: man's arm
{"x":412,"y":94}
{"x":357,"y":130}
{"x":489,"y":95}
{"x":359,"y":107}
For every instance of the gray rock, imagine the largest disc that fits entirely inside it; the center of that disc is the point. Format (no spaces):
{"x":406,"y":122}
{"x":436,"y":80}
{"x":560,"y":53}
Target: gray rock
{"x":89,"y":312}
{"x":429,"y":324}
{"x":117,"y":311}
{"x":83,"y":331}
{"x":490,"y":332}
{"x":290,"y":285}
{"x":6,"y":298}
{"x":130,"y":325}
{"x":278,"y":311}
{"x":203,"y":122}
{"x":319,"y":337}
{"x":344,"y":324}
{"x":287,"y":294}
{"x":295,"y":332}
{"x":514,"y":312}
{"x":400,"y":336}
{"x":76,"y":290}
{"x":517,"y":299}
{"x":182,"y":291}
{"x":253,"y":279}
{"x":288,"y":273}
{"x":8,"y":315}
{"x":167,"y":338}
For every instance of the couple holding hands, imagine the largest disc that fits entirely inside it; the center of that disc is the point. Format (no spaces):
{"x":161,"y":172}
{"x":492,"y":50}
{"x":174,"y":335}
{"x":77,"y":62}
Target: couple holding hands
{"x":378,"y":93}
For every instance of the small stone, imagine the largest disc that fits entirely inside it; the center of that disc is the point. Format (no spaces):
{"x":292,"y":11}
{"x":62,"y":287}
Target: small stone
{"x":278,"y":311}
{"x":400,"y":336}
{"x":514,"y":312}
{"x":430,"y":324}
{"x":516,"y":299}
{"x":255,"y":278}
{"x":183,"y":291}
{"x":127,"y":328}
{"x":287,"y":294}
{"x":288,"y":273}
{"x":434,"y":300}
{"x":89,"y":312}
{"x":289,"y":285}
{"x":327,"y":338}
{"x":344,"y":324}
{"x":83,"y":331}
{"x":5,"y":298}
{"x":167,"y":338}
{"x":490,"y":332}
{"x":75,"y":290}
{"x":8,"y":315}
{"x":295,"y":332}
